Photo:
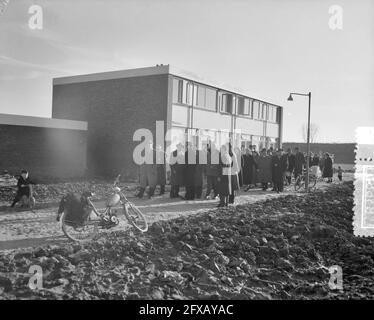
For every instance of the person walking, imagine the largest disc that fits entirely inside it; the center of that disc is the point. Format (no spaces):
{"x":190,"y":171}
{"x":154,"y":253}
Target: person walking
{"x":340,"y":173}
{"x":264,"y":169}
{"x":177,"y":160}
{"x":24,"y":185}
{"x":327,"y":168}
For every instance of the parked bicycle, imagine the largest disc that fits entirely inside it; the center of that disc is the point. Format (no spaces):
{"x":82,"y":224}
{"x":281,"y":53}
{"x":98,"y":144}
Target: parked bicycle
{"x":106,"y":218}
{"x":300,"y":181}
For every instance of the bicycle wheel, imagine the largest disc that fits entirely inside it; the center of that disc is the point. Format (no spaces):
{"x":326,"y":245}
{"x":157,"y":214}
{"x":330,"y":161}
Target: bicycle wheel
{"x":79,"y":232}
{"x":298,"y":183}
{"x":135,"y":217}
{"x":312,"y":182}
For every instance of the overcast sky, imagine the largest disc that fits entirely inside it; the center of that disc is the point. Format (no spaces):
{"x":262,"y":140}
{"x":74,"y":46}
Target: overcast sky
{"x":267,"y":48}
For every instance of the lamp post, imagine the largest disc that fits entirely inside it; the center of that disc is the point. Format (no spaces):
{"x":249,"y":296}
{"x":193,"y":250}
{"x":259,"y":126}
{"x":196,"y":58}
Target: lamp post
{"x":308,"y":135}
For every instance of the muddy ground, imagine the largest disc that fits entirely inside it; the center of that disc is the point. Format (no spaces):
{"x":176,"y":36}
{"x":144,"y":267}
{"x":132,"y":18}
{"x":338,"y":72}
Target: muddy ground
{"x":277,"y":249}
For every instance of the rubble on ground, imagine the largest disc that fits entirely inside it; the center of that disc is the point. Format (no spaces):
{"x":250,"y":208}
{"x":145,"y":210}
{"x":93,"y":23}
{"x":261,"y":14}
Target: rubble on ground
{"x":278,"y":249}
{"x":53,"y":192}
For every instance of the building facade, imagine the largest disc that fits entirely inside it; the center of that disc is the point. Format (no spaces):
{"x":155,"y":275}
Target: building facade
{"x":117,"y":104}
{"x":47,"y":148}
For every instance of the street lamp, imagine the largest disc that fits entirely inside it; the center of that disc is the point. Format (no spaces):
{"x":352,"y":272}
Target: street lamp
{"x":290,"y":98}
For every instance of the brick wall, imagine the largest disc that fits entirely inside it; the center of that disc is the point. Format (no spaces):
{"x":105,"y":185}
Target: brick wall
{"x":114,"y":110}
{"x":45,"y":152}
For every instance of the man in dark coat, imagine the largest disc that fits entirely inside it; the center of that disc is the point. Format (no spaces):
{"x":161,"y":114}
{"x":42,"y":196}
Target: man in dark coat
{"x":315,"y":160}
{"x":264,"y":169}
{"x":299,"y":162}
{"x":176,"y":161}
{"x":248,"y":164}
{"x":201,"y":161}
{"x":256,"y":157}
{"x":328,"y":168}
{"x":212,"y":171}
{"x":190,"y":171}
{"x":24,"y":185}
{"x":279,"y":167}
{"x":291,"y":165}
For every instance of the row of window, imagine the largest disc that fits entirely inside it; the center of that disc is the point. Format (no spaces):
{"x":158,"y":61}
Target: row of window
{"x":185,"y":92}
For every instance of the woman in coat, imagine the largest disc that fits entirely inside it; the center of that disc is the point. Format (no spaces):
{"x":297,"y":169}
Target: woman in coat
{"x":228,"y":181}
{"x":264,"y":170}
{"x":327,"y":169}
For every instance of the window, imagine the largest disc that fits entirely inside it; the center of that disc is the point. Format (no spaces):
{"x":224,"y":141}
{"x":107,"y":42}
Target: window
{"x":246,"y":106}
{"x":272,"y":114}
{"x":279,"y":112}
{"x":241,"y":105}
{"x":177,"y":91}
{"x":211,"y":99}
{"x":201,"y":96}
{"x":256,"y":109}
{"x":262,"y":111}
{"x":189,"y":93}
{"x":226,"y":103}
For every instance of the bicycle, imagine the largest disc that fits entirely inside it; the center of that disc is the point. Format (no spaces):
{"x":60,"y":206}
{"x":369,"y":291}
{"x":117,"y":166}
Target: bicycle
{"x":301,"y":181}
{"x":103,"y":219}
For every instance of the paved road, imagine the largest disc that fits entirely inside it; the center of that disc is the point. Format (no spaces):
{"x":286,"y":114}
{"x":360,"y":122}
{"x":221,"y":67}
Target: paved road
{"x":28,"y":229}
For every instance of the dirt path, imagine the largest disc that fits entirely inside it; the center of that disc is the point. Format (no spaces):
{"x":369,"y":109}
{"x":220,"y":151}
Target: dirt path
{"x":29,"y":229}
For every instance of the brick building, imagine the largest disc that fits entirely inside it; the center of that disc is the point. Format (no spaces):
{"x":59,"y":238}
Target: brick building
{"x":46,"y":147}
{"x":116,"y":104}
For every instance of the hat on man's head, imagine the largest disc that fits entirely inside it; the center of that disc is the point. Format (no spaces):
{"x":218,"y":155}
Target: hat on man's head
{"x":24,"y":171}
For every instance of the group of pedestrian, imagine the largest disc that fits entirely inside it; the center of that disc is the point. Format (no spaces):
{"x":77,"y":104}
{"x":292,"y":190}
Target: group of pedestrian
{"x":228,"y":169}
{"x":220,"y":168}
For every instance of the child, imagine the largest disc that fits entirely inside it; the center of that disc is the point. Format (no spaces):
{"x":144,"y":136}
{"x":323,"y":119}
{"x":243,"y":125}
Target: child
{"x":24,"y":187}
{"x":340,"y":173}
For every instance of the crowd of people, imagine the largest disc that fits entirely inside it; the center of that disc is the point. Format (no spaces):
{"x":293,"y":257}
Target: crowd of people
{"x":224,"y":170}
{"x":227,"y":170}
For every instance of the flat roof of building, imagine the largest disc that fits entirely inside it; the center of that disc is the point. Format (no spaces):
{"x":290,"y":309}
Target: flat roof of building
{"x":149,"y":71}
{"x":28,"y":121}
